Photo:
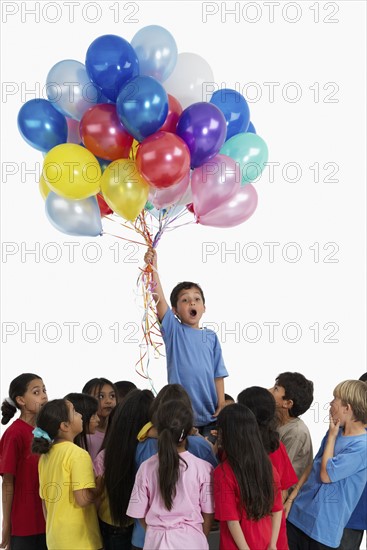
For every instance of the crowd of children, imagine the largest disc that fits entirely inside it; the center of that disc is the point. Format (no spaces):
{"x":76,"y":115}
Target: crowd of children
{"x":115,"y":468}
{"x":157,"y":483}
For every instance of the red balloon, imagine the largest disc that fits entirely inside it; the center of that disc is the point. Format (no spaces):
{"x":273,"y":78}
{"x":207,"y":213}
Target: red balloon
{"x":103,"y":206}
{"x":163,"y":159}
{"x":174,"y":111}
{"x":103,"y":133}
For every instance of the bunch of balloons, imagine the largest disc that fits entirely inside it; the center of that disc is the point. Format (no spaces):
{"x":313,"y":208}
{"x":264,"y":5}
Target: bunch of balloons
{"x":129,"y":130}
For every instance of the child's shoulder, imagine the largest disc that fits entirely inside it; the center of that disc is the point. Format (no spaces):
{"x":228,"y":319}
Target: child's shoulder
{"x":18,"y":430}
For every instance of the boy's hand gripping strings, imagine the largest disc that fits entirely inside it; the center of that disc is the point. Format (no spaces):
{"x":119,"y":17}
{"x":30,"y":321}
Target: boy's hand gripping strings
{"x":150,"y":325}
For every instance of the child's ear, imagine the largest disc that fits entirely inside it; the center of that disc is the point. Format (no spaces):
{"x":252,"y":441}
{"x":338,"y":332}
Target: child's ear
{"x":19,"y":400}
{"x":64,"y":426}
{"x":287,"y":403}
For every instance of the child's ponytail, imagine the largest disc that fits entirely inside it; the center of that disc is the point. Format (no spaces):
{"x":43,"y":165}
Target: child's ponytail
{"x":17,"y":388}
{"x":49,"y":419}
{"x":174,"y":421}
{"x":8,"y":410}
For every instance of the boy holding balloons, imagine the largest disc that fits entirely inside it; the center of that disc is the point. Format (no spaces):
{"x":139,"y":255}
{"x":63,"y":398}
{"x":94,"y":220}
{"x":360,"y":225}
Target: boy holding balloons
{"x":194,"y":355}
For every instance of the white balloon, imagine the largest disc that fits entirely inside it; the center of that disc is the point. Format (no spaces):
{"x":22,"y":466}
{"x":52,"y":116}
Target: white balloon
{"x":191,"y":81}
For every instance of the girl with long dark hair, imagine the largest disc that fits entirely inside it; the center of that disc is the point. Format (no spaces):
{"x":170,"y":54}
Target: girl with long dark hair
{"x":247,"y":498}
{"x":106,"y":394}
{"x":262,"y":403}
{"x":172,"y":494}
{"x":116,"y":465}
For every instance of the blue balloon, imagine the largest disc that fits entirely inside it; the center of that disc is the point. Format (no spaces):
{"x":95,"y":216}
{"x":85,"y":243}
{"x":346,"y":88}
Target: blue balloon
{"x":41,"y":125}
{"x":142,"y":106}
{"x":251,"y":129}
{"x":235,"y":109}
{"x":110,"y":62}
{"x":80,"y":218}
{"x":156,"y":50}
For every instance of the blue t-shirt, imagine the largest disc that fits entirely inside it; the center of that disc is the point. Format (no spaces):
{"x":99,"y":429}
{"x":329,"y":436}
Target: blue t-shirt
{"x":322,"y":510}
{"x":194,"y":360}
{"x":196,"y":444}
{"x":358,"y":519}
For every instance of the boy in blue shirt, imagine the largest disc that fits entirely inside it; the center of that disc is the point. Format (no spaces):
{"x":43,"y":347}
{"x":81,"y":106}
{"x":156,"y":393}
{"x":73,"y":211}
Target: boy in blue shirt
{"x":333,"y":485}
{"x":194,"y":356}
{"x":353,"y":533}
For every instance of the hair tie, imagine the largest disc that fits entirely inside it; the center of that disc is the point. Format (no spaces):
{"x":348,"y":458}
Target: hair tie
{"x":181,"y":436}
{"x":10,"y":401}
{"x":38,"y":432}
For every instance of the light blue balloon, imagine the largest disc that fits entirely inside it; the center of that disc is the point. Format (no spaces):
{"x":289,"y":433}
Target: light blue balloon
{"x":156,"y":50}
{"x":251,"y":153}
{"x":80,"y":218}
{"x":70,"y":90}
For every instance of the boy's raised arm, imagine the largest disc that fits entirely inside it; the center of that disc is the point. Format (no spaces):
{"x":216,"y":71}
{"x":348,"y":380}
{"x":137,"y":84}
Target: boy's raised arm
{"x":158,"y":294}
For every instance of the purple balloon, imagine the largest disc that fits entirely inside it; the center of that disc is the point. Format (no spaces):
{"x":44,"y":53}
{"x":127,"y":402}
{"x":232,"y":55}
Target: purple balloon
{"x":203,"y":127}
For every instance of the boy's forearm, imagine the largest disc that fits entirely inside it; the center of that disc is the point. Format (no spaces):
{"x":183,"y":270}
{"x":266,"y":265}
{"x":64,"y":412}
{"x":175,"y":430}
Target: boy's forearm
{"x":207,"y":523}
{"x":158,"y":293}
{"x":328,"y":453}
{"x":302,"y":480}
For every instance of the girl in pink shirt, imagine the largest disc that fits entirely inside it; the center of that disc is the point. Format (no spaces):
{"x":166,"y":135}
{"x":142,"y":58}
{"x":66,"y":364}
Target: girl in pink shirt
{"x":172,"y":494}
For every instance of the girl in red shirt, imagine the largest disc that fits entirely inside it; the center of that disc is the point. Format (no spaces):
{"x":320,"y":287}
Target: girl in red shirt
{"x":247,"y":497}
{"x":262,"y":403}
{"x":23,"y":522}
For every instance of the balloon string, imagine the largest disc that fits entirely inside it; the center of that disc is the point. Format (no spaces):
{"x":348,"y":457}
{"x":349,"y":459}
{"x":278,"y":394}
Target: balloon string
{"x":151,"y":340}
{"x":123,"y":238}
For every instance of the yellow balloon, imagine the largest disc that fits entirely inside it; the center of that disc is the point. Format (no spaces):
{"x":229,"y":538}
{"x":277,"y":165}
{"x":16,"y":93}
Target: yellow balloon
{"x":134,"y":150}
{"x":43,"y":187}
{"x":124,"y":189}
{"x":72,"y":171}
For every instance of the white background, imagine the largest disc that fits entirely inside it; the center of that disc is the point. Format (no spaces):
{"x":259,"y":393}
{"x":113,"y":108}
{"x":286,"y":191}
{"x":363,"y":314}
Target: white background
{"x":324,"y":127}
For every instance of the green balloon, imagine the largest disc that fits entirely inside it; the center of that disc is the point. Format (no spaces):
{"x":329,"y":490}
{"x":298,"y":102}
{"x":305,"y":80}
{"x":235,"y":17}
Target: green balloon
{"x":251,"y":153}
{"x":148,"y":206}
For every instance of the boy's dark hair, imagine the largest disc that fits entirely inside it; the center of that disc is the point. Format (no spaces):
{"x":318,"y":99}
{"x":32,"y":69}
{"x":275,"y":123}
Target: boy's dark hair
{"x":186,"y":285}
{"x":51,"y":415}
{"x":363,"y":378}
{"x":262,"y":403}
{"x":87,"y":406}
{"x":123,"y":387}
{"x":241,"y":442}
{"x":298,"y":389}
{"x":17,"y":388}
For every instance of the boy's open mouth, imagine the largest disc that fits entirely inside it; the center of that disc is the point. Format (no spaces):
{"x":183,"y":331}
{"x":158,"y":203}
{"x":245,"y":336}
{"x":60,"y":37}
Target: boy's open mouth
{"x":193,"y":312}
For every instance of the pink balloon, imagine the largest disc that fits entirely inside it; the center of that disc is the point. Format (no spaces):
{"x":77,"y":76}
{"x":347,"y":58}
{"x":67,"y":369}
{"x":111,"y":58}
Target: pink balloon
{"x":235,"y":210}
{"x":161,"y":198}
{"x":214,"y":182}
